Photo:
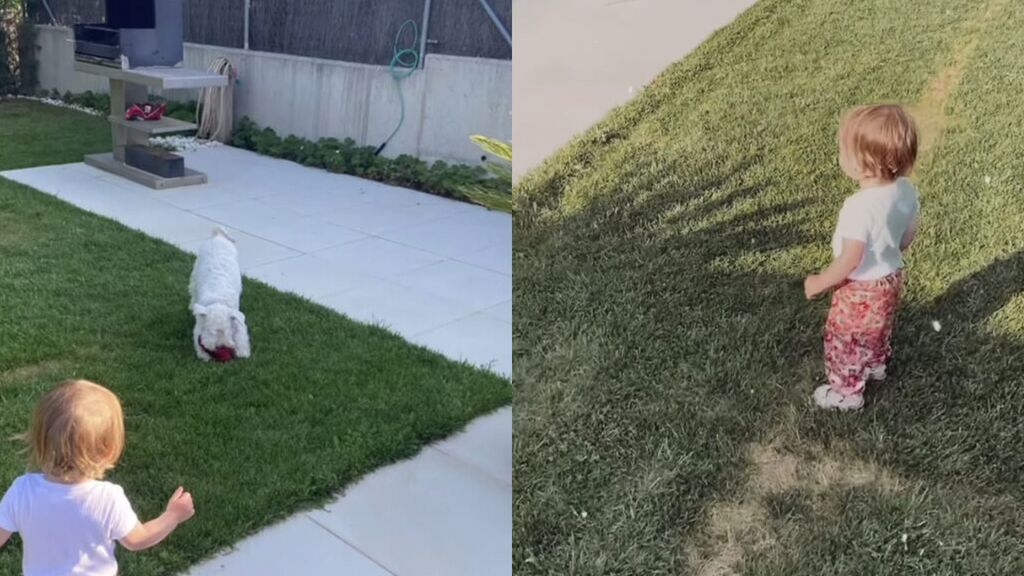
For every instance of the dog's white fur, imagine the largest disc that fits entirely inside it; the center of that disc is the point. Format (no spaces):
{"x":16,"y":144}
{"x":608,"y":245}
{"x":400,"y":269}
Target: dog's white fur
{"x":216,"y":288}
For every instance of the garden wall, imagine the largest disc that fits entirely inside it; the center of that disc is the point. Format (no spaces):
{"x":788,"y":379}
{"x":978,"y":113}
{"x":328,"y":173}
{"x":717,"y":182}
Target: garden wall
{"x":350,"y":30}
{"x":451,"y":98}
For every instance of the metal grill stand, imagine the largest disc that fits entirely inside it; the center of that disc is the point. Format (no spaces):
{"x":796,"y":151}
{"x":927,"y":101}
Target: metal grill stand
{"x":139,"y":47}
{"x":131,"y":86}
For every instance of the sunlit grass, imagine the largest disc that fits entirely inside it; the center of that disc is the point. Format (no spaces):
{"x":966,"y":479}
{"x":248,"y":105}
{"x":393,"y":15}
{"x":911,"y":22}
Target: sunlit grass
{"x":322,"y":401}
{"x":661,"y":330}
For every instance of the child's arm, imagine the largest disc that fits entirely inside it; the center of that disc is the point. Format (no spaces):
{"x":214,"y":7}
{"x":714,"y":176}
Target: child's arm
{"x":839,"y":270}
{"x":4,"y":537}
{"x":179,"y":509}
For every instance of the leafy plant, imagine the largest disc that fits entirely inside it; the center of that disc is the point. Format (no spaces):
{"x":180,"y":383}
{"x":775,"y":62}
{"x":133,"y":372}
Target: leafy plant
{"x":498,"y":148}
{"x":185,"y":111}
{"x":490,"y":187}
{"x":495,"y":192}
{"x":87,"y":99}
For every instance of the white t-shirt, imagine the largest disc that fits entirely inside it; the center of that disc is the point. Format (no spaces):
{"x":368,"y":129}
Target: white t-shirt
{"x":878,"y":217}
{"x":67,"y":529}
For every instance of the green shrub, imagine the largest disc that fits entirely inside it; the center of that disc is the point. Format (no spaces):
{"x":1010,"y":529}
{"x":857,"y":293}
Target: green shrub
{"x":185,"y":111}
{"x":467,"y":183}
{"x":267,"y":142}
{"x":295,"y":149}
{"x":87,"y":99}
{"x":243,"y":137}
{"x":490,"y":187}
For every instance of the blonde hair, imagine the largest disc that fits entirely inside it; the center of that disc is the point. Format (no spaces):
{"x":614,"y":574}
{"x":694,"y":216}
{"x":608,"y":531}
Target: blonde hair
{"x":77,"y":431}
{"x":882,"y":138}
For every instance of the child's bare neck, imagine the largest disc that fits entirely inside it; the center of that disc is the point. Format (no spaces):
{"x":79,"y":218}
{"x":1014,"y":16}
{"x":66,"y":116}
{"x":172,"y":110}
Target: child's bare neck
{"x":68,"y":481}
{"x":873,"y":182}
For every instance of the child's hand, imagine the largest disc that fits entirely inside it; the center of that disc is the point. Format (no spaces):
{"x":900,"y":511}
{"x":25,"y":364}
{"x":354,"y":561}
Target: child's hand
{"x":812,"y":286}
{"x":179,"y":509}
{"x":180,"y":506}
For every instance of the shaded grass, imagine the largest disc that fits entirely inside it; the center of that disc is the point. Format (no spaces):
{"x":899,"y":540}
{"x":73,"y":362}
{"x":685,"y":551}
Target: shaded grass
{"x":36,"y":134}
{"x":661,"y":328}
{"x":323,"y":400}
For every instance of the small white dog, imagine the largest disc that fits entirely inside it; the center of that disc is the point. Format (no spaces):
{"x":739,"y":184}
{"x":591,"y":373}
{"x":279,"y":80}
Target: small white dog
{"x":216,"y":288}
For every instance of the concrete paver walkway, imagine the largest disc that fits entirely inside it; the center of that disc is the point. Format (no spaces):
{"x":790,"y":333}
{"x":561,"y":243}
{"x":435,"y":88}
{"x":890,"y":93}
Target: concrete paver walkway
{"x":436,"y":271}
{"x":575,"y":60}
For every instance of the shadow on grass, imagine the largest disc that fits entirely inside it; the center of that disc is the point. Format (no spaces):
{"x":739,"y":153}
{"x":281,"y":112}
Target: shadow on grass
{"x":643,"y":367}
{"x":947,"y":424}
{"x":646,"y":361}
{"x":954,"y":408}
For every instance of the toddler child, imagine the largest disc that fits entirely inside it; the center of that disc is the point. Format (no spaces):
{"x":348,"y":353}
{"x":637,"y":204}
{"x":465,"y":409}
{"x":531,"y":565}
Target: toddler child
{"x":877,"y":148}
{"x":68,"y":517}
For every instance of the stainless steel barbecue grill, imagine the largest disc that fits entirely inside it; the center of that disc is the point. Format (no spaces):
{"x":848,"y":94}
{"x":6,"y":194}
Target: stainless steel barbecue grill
{"x":139,"y":48}
{"x":137,"y":33}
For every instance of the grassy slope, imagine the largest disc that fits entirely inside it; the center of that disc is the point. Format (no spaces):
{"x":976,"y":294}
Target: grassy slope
{"x":322,"y":401}
{"x":662,"y":341}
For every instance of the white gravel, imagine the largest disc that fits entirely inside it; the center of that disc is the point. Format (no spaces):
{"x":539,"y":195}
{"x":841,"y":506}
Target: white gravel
{"x":61,"y":104}
{"x":174,"y":143}
{"x":182,"y":143}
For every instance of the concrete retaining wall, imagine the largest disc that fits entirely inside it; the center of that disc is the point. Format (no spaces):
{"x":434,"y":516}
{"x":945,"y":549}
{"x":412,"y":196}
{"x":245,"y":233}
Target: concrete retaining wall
{"x":446,"y":102}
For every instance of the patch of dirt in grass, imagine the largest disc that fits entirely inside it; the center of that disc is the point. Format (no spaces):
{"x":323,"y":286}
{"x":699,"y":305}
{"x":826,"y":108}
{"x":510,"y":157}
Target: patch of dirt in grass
{"x":930,"y":110}
{"x":31,"y":371}
{"x":775,"y":470}
{"x":56,"y":369}
{"x":830,"y":473}
{"x":744,"y":525}
{"x":732,"y":530}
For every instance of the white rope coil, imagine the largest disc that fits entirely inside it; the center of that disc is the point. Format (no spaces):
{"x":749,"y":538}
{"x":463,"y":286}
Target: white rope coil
{"x":215,"y":112}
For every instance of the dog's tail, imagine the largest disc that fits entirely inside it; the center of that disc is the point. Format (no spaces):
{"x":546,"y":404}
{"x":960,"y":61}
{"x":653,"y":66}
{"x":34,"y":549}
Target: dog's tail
{"x":220,"y":231}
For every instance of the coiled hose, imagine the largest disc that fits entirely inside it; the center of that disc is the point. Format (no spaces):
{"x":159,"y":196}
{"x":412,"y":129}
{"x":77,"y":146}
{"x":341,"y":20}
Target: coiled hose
{"x":215,"y":110}
{"x":404,"y":61}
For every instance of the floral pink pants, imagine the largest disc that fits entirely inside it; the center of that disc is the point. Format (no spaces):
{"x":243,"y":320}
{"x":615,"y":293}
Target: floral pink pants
{"x":858,"y":331}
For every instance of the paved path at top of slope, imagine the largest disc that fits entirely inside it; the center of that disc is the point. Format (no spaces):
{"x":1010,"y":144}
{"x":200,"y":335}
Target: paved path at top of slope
{"x":575,"y":60}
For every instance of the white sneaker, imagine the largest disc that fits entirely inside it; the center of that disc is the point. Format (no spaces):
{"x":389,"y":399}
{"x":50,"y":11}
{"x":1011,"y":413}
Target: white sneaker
{"x":877,"y":373}
{"x":827,"y":398}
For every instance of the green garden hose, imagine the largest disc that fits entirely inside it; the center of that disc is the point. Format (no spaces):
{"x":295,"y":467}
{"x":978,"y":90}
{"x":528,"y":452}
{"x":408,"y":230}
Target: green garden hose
{"x":404,"y":62}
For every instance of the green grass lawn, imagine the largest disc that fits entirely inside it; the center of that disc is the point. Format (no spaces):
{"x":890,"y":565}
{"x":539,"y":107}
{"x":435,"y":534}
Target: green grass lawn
{"x":322,"y":401}
{"x":664,"y":354}
{"x":34,"y":134}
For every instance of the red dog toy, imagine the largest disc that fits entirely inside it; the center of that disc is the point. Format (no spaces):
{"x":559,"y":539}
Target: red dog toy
{"x":221,"y":354}
{"x":145,"y":111}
